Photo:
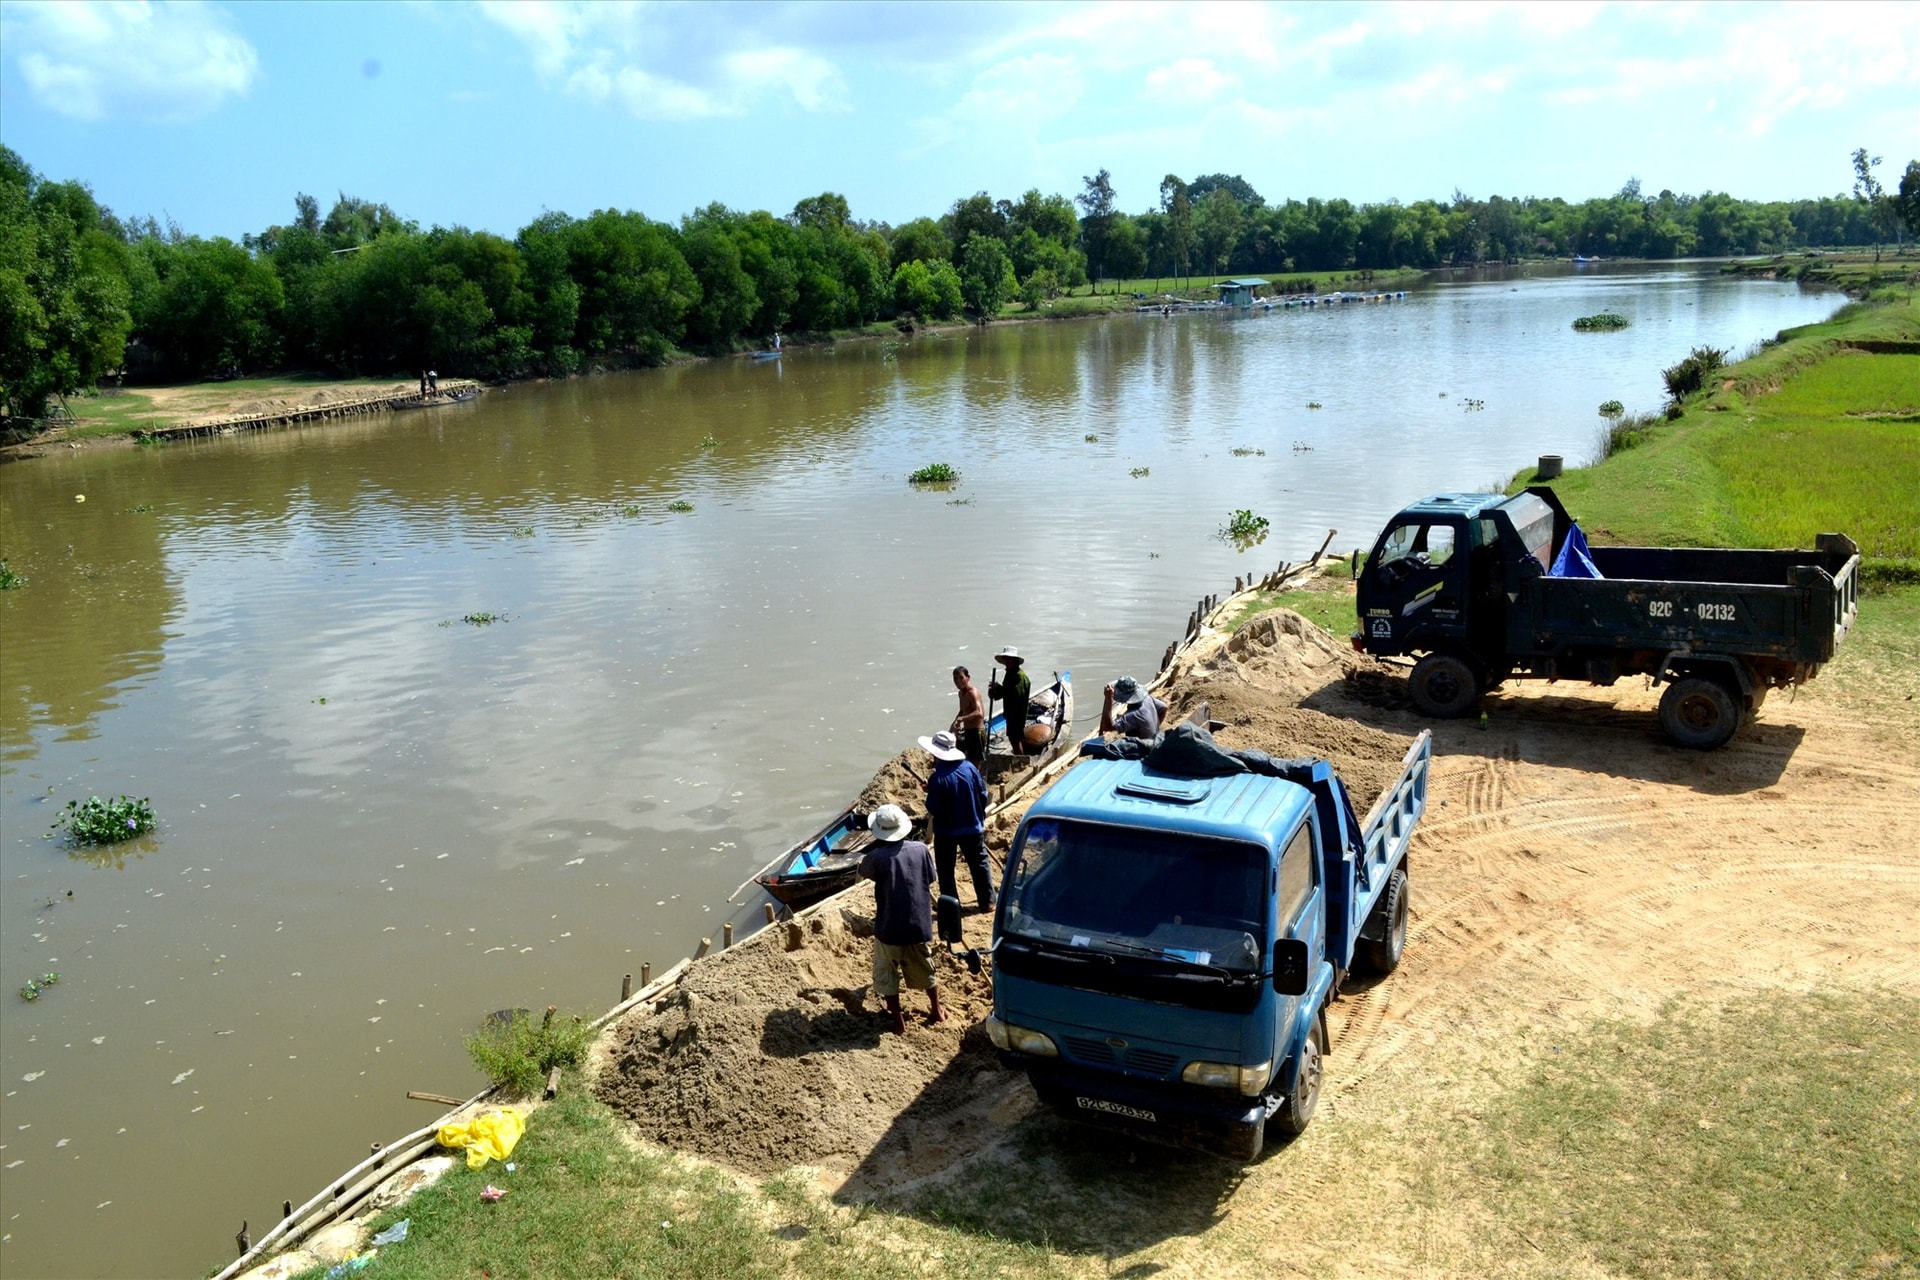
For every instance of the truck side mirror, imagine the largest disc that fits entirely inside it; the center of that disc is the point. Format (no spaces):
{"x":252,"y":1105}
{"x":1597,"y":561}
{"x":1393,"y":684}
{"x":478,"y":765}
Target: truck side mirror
{"x":1291,"y":961}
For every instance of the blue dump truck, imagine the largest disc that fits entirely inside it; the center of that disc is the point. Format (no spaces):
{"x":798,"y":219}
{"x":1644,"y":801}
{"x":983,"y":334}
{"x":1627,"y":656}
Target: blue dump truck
{"x":1166,"y":944}
{"x":1480,"y":588}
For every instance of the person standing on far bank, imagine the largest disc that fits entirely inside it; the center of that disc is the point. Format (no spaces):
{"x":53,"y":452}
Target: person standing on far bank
{"x":1013,"y":689}
{"x":902,"y":872}
{"x":957,"y":808}
{"x":969,"y":728}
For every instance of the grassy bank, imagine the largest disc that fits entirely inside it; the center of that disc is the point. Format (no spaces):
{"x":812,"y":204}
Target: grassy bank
{"x":1767,"y":1136}
{"x":1852,"y":270}
{"x":1814,"y":434}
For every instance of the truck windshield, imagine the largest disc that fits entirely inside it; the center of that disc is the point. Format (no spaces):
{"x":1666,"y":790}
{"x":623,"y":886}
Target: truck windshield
{"x":1140,"y":894}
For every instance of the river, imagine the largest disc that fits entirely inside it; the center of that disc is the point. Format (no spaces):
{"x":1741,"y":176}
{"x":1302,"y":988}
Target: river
{"x":378,"y":820}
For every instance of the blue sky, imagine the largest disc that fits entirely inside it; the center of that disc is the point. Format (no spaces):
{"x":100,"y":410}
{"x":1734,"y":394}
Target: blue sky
{"x":484,"y":114}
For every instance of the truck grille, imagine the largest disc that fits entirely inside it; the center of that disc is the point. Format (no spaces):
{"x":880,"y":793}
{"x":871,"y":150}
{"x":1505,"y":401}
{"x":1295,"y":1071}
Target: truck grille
{"x":1098,"y":1053}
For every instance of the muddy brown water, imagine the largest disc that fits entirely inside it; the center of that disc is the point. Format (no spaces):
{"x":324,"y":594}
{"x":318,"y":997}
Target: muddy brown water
{"x":379,"y":821}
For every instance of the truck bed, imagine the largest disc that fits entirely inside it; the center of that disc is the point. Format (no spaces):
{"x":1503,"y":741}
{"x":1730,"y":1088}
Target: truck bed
{"x":1789,"y":606}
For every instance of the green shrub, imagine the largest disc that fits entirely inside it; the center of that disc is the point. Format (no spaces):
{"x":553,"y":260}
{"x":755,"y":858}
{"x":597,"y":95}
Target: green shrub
{"x":516,"y":1053}
{"x":1691,"y":374}
{"x":934,"y":473}
{"x":1625,"y":433}
{"x":1600,"y":322}
{"x":104,"y":821}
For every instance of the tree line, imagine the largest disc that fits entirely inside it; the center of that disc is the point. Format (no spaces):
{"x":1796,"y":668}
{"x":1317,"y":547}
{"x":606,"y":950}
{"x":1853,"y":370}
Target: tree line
{"x":86,"y":295}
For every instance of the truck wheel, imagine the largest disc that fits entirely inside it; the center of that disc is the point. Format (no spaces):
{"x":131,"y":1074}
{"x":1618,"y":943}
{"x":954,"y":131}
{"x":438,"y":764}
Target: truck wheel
{"x":1443,"y":686}
{"x":1296,"y":1109}
{"x":1699,"y":713}
{"x":1382,"y":954}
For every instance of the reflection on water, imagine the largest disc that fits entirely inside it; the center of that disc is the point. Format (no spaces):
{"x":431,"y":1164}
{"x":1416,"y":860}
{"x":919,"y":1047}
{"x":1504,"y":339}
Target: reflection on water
{"x":379,"y":821}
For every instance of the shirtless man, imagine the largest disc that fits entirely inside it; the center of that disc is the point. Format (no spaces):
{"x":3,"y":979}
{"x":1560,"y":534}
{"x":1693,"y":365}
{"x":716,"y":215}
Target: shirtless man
{"x":970,"y":726}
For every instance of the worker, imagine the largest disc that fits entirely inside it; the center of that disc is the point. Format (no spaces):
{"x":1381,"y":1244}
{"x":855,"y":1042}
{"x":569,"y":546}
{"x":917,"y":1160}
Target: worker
{"x":1141,"y":717}
{"x":1013,"y":688}
{"x":957,"y":811}
{"x":969,"y":728}
{"x":902,"y":872}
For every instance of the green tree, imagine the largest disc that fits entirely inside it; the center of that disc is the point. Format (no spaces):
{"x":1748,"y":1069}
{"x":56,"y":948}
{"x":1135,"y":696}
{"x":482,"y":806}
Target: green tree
{"x":64,"y":292}
{"x":635,"y":287}
{"x":1096,"y":203}
{"x":1217,"y":224}
{"x":986,"y":276}
{"x":929,"y":290}
{"x":1871,"y":195}
{"x":555,"y":312}
{"x":921,"y":240}
{"x":1176,"y":202}
{"x":974,"y":215}
{"x":212,"y":307}
{"x":728,"y":300}
{"x":1126,"y":248}
{"x":1906,"y":202}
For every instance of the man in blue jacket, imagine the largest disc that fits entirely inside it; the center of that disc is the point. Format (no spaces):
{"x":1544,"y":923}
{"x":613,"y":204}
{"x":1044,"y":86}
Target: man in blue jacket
{"x":957,"y":811}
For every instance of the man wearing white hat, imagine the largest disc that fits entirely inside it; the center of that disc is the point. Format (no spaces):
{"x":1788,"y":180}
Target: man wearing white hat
{"x":957,"y":810}
{"x":902,"y":872}
{"x":1013,"y":689}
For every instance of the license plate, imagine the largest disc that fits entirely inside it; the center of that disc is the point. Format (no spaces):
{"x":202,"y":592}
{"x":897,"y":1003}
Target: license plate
{"x":1116,"y":1108}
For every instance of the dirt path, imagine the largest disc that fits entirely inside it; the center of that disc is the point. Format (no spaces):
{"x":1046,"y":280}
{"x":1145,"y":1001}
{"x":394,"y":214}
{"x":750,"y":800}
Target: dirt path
{"x":1571,"y":867}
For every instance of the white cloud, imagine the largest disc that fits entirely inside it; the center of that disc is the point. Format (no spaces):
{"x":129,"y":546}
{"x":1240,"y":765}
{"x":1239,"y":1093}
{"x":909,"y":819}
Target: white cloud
{"x":1189,"y":80}
{"x":663,"y":64}
{"x":173,"y":61}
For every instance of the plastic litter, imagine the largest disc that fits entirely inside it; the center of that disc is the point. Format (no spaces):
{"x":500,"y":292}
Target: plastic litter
{"x":395,"y":1233}
{"x":491,"y":1135}
{"x":358,"y":1262}
{"x":491,"y":1193}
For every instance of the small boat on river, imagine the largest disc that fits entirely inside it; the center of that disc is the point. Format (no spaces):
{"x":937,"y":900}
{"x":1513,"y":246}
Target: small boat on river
{"x":829,"y":860}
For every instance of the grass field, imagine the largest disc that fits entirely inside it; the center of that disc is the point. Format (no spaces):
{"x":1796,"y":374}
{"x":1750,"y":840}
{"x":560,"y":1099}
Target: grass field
{"x":1767,"y":1136}
{"x":126,"y":410}
{"x":1812,"y":435}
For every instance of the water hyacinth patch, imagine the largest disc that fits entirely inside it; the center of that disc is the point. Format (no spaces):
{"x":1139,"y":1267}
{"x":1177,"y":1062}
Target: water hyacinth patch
{"x":103,"y":821}
{"x":1600,"y":322}
{"x":934,"y":473}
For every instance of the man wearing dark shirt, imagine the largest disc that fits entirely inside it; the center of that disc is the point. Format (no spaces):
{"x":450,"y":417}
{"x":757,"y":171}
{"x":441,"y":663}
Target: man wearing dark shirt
{"x":957,"y":809}
{"x":1013,"y":689}
{"x":901,"y":871}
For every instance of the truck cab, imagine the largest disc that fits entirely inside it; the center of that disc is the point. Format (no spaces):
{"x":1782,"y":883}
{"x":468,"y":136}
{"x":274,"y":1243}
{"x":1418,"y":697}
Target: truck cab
{"x":1165,"y":946}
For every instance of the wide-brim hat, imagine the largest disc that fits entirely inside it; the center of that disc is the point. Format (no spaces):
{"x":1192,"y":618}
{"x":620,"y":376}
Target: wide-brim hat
{"x":943,"y":746}
{"x":890,"y":822}
{"x":1126,"y":690}
{"x":1010,"y":656}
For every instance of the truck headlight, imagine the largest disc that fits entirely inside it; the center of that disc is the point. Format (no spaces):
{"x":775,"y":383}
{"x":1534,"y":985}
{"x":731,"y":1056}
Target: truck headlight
{"x":1225,"y":1075}
{"x":1020,"y":1039}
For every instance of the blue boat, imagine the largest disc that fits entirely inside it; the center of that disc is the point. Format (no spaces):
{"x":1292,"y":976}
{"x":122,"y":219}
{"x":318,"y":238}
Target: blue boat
{"x":828,"y":861}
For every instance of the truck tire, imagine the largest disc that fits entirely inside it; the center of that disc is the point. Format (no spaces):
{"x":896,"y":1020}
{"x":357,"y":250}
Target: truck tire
{"x":1382,"y":955}
{"x":1443,"y":686}
{"x":1699,"y":713}
{"x":1296,"y":1109}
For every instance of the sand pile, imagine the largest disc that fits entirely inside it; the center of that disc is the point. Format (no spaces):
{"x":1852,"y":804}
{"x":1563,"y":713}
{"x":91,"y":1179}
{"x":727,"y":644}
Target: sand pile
{"x":902,"y":781}
{"x":766,"y":1058}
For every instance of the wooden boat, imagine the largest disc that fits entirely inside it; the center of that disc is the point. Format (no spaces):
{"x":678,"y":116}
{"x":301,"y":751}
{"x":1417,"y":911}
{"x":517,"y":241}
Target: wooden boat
{"x":427,"y":402}
{"x":821,"y":865}
{"x":1052,"y":706}
{"x":829,"y":860}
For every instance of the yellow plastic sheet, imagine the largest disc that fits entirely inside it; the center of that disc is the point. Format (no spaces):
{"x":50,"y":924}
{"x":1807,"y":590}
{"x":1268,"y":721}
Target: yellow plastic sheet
{"x":491,"y":1135}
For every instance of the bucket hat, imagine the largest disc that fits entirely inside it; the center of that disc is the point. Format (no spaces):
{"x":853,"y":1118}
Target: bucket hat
{"x":943,"y":746}
{"x":890,"y":822}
